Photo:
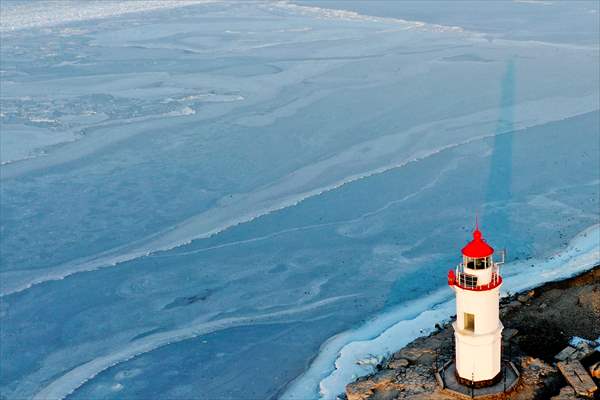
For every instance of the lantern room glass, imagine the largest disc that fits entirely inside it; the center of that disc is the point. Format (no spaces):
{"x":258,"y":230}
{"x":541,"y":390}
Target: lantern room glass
{"x":478,"y":263}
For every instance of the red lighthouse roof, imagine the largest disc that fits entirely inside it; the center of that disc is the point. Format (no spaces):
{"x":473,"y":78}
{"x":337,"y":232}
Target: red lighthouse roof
{"x":477,"y":248}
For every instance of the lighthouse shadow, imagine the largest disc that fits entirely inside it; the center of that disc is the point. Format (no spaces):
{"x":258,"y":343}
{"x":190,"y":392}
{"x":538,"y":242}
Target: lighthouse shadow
{"x":498,"y":193}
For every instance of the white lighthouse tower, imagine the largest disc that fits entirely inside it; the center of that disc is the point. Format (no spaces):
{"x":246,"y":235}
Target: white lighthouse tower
{"x":477,"y":329}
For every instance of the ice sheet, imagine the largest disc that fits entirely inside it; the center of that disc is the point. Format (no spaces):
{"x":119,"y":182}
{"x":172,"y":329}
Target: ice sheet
{"x":248,"y":180}
{"x":18,"y":142}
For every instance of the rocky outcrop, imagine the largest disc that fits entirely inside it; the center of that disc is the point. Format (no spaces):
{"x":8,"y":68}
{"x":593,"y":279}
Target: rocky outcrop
{"x":595,"y":370}
{"x":566,"y":393}
{"x":398,"y":380}
{"x":383,"y":384}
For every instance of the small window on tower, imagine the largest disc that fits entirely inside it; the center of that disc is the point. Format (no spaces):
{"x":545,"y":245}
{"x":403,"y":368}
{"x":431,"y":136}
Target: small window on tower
{"x":469,"y":321}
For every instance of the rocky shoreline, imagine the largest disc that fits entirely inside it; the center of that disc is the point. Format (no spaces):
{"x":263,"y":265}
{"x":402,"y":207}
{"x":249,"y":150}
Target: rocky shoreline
{"x":538,"y":324}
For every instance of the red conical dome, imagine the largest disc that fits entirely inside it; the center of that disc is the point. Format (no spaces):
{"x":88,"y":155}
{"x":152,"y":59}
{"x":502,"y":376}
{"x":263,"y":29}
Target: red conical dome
{"x":477,"y":248}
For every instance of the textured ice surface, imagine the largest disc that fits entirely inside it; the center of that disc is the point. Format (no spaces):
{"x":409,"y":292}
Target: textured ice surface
{"x":211,"y":190}
{"x":19,"y":141}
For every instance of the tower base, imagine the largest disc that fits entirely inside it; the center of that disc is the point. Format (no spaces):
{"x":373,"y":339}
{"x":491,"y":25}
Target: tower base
{"x":446,"y":377}
{"x":478,"y":384}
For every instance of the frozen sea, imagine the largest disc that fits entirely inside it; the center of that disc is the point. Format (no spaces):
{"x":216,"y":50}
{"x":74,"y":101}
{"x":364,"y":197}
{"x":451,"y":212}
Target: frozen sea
{"x":253,"y":200}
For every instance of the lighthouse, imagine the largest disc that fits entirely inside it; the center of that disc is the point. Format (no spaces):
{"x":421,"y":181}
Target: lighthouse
{"x":476,"y":282}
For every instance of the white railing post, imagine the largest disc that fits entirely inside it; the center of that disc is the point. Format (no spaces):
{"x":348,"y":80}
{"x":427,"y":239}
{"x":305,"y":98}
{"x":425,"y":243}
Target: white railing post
{"x":458,"y":275}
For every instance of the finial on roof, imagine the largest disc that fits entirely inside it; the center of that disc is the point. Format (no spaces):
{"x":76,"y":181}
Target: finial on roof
{"x":477,"y":232}
{"x":477,"y":248}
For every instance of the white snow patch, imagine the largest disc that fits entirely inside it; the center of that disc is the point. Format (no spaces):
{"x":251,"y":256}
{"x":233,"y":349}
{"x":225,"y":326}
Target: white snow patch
{"x":576,"y":341}
{"x":117,"y":387}
{"x":540,"y":2}
{"x":346,"y":15}
{"x":213,"y":97}
{"x":37,"y":14}
{"x":183,"y":111}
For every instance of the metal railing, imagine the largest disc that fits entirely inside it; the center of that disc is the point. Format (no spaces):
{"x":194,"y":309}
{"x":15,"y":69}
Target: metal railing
{"x":469,"y":281}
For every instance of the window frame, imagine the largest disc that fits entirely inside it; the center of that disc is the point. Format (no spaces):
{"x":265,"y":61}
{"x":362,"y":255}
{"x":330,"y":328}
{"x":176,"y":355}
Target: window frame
{"x":468,"y":322}
{"x":478,"y":264}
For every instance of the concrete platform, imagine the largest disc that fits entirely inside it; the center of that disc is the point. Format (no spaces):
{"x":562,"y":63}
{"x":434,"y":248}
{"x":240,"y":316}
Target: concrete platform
{"x":446,"y":378}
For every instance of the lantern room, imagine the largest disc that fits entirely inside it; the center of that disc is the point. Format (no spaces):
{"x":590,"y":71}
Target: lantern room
{"x":478,"y":270}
